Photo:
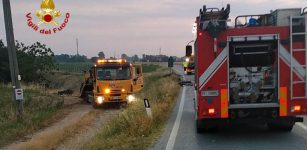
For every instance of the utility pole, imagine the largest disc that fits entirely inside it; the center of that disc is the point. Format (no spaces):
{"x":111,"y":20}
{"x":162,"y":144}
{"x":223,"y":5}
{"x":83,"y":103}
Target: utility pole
{"x":160,"y":53}
{"x":77,"y":42}
{"x":15,"y":77}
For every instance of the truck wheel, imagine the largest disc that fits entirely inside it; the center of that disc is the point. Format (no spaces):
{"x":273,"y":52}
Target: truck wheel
{"x":281,"y":127}
{"x":95,"y":106}
{"x":199,"y":128}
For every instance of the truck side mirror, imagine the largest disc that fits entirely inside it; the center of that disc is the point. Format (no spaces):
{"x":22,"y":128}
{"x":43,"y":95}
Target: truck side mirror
{"x":188,"y":51}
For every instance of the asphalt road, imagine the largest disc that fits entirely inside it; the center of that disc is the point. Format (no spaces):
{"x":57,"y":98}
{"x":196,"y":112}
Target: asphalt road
{"x":180,"y":132}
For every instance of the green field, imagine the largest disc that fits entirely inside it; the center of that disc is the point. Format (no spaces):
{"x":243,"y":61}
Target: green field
{"x":73,"y":67}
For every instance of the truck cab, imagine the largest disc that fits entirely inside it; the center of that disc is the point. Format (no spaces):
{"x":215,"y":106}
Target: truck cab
{"x":112,"y":81}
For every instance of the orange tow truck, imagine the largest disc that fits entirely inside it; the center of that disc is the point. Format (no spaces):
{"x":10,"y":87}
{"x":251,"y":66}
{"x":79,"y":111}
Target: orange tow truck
{"x":112,"y":81}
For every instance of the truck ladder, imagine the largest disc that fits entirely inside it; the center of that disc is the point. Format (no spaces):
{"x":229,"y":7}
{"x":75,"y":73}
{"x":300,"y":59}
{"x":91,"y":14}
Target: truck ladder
{"x":294,"y":66}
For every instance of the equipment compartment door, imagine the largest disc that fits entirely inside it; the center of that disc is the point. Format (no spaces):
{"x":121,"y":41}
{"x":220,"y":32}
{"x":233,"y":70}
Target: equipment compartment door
{"x":138,"y":81}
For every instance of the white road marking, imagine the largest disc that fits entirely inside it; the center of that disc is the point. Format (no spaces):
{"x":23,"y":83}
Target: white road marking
{"x":302,"y":125}
{"x":172,"y":138}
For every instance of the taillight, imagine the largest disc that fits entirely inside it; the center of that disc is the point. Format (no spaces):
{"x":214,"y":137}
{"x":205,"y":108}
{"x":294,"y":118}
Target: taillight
{"x":211,"y":111}
{"x":296,"y":108}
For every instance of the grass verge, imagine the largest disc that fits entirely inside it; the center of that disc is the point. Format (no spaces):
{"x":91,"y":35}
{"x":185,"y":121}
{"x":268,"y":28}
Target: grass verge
{"x":132,"y":129}
{"x":40,"y":109}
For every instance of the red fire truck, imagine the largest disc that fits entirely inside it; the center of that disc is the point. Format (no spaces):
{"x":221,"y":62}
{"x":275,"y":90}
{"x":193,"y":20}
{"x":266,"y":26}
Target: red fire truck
{"x":252,"y":72}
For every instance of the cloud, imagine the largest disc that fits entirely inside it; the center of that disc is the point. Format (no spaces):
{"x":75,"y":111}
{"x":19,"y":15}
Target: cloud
{"x":134,"y":26}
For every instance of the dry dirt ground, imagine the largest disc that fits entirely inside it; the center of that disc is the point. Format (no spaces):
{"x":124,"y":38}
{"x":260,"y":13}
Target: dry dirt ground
{"x":80,"y":124}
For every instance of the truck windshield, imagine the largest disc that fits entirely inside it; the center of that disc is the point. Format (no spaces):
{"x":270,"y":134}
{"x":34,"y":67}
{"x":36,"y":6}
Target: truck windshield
{"x":113,"y":73}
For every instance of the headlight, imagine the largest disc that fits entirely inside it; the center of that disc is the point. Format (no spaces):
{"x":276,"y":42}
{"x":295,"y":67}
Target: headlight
{"x":187,"y":59}
{"x":131,"y":98}
{"x":100,"y":99}
{"x":107,"y":91}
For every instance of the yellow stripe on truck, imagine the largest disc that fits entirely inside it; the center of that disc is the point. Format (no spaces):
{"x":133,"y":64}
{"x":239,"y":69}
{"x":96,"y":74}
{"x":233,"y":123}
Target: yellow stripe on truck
{"x":283,"y":101}
{"x":224,"y":103}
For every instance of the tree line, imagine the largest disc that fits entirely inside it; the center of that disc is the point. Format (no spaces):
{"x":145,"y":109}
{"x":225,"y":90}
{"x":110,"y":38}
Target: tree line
{"x":33,"y":61}
{"x":37,"y":59}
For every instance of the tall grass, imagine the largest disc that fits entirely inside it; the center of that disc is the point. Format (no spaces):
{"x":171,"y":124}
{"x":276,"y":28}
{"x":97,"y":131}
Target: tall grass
{"x":39,"y":109}
{"x":132,"y":129}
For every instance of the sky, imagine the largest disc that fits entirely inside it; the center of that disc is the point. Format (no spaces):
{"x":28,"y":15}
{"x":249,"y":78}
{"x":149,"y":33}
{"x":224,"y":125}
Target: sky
{"x":126,"y":26}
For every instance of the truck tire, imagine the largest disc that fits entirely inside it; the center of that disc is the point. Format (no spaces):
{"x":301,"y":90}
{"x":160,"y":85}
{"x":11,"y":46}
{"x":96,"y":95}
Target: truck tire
{"x":95,"y":106}
{"x":281,"y":127}
{"x":201,"y":128}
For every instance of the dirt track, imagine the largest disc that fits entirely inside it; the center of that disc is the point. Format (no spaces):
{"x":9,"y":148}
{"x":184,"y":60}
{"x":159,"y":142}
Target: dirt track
{"x":78,"y":126}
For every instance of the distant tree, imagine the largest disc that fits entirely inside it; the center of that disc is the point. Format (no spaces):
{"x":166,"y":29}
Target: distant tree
{"x":124,"y":56}
{"x":101,"y":54}
{"x":34,"y":60}
{"x":79,"y":58}
{"x":62,"y":58}
{"x":65,"y":58}
{"x":135,"y":58}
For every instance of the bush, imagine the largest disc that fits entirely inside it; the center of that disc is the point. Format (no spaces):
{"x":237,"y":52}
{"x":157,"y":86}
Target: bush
{"x":32,"y":61}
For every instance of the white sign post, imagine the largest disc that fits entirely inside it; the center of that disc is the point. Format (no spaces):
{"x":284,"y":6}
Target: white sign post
{"x":147,"y":107}
{"x":19,"y":94}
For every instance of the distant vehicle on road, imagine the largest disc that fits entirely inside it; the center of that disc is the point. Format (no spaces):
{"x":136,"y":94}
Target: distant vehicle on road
{"x":112,"y":81}
{"x":189,"y":65}
{"x":252,"y":72}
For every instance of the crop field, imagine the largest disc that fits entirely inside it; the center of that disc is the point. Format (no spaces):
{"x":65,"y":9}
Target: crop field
{"x":73,"y":67}
{"x":80,"y":67}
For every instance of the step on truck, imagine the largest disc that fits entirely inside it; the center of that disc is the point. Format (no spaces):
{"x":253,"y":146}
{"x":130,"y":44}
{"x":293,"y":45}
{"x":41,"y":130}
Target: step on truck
{"x":112,"y":81}
{"x":252,"y":72}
